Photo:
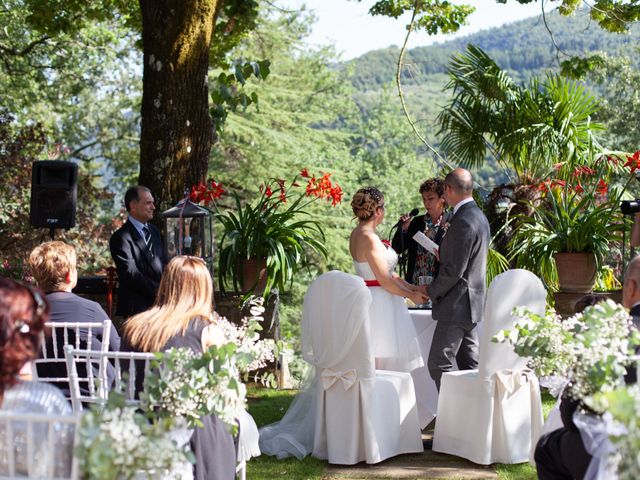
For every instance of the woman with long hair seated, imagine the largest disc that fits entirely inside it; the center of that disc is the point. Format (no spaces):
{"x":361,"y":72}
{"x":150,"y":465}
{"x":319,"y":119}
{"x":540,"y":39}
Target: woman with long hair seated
{"x":23,"y":311}
{"x":183,"y":316}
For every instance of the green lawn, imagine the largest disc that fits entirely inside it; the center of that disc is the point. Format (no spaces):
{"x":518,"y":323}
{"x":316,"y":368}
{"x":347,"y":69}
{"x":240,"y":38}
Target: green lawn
{"x":268,"y":406}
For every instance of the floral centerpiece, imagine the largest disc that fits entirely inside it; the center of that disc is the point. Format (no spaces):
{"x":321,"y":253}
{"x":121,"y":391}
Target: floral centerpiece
{"x":276,"y":229}
{"x":624,"y":406}
{"x":576,"y":210}
{"x":118,"y":443}
{"x":184,"y":386}
{"x":589,"y":350}
{"x":252,"y":352}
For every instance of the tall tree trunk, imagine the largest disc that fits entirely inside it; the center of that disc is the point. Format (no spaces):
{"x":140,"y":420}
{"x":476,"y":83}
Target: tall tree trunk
{"x":177,"y":131}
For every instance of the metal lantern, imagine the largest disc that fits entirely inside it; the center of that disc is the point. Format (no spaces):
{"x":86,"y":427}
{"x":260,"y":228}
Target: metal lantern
{"x":188,"y":230}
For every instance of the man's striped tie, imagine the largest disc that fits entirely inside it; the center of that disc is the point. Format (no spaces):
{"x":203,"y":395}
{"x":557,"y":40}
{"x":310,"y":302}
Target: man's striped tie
{"x":147,"y":239}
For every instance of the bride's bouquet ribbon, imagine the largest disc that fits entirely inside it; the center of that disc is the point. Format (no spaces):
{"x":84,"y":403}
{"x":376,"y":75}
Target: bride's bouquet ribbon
{"x":347,"y":378}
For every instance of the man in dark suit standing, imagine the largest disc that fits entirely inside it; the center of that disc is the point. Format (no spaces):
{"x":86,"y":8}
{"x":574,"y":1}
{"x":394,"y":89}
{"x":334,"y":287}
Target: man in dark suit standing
{"x":458,"y":292}
{"x":137,"y":251}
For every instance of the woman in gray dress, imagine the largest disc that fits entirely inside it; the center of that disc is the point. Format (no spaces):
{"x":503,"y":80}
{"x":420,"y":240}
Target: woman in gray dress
{"x":182,"y":316}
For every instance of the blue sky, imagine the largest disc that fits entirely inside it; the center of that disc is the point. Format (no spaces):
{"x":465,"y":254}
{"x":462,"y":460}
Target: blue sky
{"x":347,"y":25}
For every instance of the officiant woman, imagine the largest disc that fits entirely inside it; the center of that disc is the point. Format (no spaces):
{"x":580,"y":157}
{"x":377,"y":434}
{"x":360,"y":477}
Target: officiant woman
{"x":433,"y":224}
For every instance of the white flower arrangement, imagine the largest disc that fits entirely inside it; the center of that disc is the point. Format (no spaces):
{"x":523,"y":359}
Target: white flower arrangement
{"x":118,"y":443}
{"x":252,"y":353}
{"x":187,"y":386}
{"x":589,"y":350}
{"x":624,"y":406}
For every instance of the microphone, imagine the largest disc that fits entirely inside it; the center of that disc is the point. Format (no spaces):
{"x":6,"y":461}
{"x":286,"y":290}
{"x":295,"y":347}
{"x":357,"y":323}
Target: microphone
{"x":412,"y":213}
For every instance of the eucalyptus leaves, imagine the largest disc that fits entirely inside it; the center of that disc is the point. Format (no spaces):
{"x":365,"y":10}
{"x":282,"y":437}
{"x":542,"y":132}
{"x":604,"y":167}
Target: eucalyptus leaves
{"x":588,"y":350}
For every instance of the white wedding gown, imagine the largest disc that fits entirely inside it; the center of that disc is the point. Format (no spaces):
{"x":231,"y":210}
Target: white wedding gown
{"x":396,"y":348}
{"x":395,"y":340}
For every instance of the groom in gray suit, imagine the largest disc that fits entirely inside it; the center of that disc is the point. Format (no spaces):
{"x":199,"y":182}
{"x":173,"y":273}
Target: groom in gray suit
{"x":458,"y":292}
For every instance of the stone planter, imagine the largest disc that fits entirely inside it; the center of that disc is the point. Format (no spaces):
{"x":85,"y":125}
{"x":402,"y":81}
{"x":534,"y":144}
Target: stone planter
{"x":576,"y":271}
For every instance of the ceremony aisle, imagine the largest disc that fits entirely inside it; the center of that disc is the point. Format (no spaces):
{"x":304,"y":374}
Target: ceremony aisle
{"x":268,"y":406}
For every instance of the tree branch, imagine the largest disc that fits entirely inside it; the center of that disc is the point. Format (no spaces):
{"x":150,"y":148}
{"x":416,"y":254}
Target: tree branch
{"x":403,"y":50}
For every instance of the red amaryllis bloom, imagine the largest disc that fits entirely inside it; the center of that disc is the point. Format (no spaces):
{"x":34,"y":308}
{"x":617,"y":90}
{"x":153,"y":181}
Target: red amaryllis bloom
{"x":602,"y":187}
{"x":578,"y":188}
{"x":633,"y":161}
{"x":304,"y":173}
{"x":283,"y":196}
{"x":268,"y":192}
{"x":336,"y":195}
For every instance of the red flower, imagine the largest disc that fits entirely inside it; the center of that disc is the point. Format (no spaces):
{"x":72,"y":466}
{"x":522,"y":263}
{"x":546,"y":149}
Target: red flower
{"x":558,"y":166}
{"x":268,"y":192}
{"x":633,"y":161}
{"x":305,"y":173}
{"x":578,"y":188}
{"x":336,"y":195}
{"x":602,"y":187}
{"x":283,"y":196}
{"x":280,"y":184}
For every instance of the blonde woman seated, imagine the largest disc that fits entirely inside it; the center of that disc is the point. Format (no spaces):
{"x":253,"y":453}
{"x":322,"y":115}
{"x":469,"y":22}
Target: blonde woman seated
{"x":23,"y":311}
{"x":182,"y":316}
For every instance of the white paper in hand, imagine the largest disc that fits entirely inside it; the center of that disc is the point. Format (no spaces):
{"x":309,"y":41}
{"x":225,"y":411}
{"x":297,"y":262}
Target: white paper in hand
{"x":426,"y":242}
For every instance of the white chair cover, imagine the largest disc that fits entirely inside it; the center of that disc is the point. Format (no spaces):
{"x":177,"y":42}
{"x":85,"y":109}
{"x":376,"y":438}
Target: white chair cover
{"x":349,"y":413}
{"x":494,"y":414}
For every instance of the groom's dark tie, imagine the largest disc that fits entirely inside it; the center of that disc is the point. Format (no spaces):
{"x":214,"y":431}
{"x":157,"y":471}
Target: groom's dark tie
{"x":147,"y":239}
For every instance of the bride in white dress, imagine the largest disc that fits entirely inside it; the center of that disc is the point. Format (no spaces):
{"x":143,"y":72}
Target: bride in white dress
{"x":395,"y":341}
{"x":396,"y":346}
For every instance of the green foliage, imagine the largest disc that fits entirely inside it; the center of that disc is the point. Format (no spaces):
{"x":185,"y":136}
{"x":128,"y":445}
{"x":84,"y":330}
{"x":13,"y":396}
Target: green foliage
{"x":577,"y":210}
{"x":589,"y":349}
{"x":523,"y":48}
{"x":116,"y":442}
{"x":182,"y":386}
{"x":19,"y":147}
{"x":525,"y":129}
{"x":277,"y":228}
{"x":434,"y":16}
{"x":227,"y":96}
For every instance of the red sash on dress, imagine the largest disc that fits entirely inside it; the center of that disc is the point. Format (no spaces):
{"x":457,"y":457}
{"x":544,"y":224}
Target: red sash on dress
{"x":372,"y":283}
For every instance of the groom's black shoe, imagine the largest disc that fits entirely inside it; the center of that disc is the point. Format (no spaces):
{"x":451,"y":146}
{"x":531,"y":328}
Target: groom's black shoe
{"x":427,"y":443}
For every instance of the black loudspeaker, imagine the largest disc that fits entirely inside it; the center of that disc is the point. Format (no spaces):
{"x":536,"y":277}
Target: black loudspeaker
{"x":54,"y":193}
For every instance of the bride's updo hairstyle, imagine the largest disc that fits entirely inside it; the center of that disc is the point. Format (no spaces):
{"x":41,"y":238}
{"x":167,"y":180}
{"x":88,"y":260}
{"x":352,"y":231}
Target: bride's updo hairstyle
{"x":365,"y":202}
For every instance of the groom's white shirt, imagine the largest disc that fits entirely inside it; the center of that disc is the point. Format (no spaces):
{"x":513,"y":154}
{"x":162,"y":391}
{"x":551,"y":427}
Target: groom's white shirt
{"x":461,"y":203}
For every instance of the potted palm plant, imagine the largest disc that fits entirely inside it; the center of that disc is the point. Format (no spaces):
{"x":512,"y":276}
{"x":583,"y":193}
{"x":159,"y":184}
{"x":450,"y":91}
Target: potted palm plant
{"x":266,"y":241}
{"x":575,"y":220}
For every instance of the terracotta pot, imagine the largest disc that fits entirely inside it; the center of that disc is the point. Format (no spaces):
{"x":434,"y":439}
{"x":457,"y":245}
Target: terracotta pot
{"x":576,"y":271}
{"x":254,"y":275}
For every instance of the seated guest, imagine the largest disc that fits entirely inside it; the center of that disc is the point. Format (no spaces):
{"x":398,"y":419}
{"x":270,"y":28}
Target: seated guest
{"x":561,"y":454}
{"x":23,"y":312}
{"x":182,"y":316}
{"x":53,"y":265}
{"x":420,"y":262}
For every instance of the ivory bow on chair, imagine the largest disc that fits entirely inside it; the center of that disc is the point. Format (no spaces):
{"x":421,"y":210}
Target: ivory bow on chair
{"x":348,"y":378}
{"x":507,"y":381}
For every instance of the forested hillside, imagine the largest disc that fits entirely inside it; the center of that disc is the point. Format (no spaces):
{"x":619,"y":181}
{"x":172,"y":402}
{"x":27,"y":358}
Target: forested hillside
{"x":524,"y":48}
